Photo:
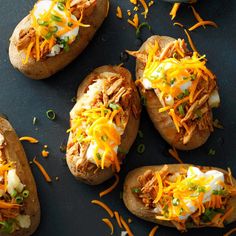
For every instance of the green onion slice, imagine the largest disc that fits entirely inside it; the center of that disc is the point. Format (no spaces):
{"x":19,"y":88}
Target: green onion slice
{"x":51,"y":115}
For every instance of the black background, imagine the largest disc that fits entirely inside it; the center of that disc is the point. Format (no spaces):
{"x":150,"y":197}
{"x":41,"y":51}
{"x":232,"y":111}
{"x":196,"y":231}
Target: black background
{"x":65,"y":204}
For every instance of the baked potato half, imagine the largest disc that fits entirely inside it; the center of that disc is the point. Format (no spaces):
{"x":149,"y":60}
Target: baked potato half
{"x":54,"y":34}
{"x":181,"y":195}
{"x":104,"y":124}
{"x":179,"y":91}
{"x":19,"y":204}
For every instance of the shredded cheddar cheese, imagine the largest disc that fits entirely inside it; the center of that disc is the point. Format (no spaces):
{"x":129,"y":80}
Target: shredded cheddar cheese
{"x":173,"y":152}
{"x":113,"y":186}
{"x":135,"y":21}
{"x":126,"y":226}
{"x":43,"y":171}
{"x":203,"y":23}
{"x":104,"y":206}
{"x":109,"y":224}
{"x":118,"y":12}
{"x":153,"y":231}
{"x":179,"y":24}
{"x":197,"y":16}
{"x":117,"y":216}
{"x":144,"y":4}
{"x":174,"y":10}
{"x":190,"y":41}
{"x":29,"y":139}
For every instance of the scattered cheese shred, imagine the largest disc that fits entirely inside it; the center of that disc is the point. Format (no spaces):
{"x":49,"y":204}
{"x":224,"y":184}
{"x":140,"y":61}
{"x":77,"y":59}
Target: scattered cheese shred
{"x":117,"y":216}
{"x":133,"y":2}
{"x":135,"y":21}
{"x":173,"y":152}
{"x":119,"y":12}
{"x":29,"y":139}
{"x":153,"y":231}
{"x":28,"y":51}
{"x":104,"y":206}
{"x":43,"y":171}
{"x":179,"y":24}
{"x":144,"y":4}
{"x":174,"y":10}
{"x":203,"y":23}
{"x":126,"y":226}
{"x":190,"y":41}
{"x":105,"y":192}
{"x":230,"y":232}
{"x":45,"y":153}
{"x":160,"y":188}
{"x":109,"y":224}
{"x":197,"y":16}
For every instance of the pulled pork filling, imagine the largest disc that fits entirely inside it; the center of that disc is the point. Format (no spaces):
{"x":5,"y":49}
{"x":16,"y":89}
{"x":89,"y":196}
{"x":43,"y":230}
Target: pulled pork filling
{"x":98,"y":121}
{"x":185,"y":87}
{"x":189,"y":197}
{"x":54,"y":27}
{"x":12,"y":196}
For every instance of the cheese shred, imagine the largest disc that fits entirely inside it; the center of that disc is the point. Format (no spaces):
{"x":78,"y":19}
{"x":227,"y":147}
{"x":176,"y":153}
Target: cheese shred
{"x":104,"y":206}
{"x":112,"y":187}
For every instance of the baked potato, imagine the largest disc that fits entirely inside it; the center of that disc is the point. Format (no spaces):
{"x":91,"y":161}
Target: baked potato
{"x":103,"y":124}
{"x":54,"y":34}
{"x":19,"y":204}
{"x":179,"y":91}
{"x":181,"y":196}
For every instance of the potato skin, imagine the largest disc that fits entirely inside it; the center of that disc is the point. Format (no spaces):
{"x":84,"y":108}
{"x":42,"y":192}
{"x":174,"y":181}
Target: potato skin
{"x":162,"y":121}
{"x":15,"y":153}
{"x":127,"y":138}
{"x":136,"y":207}
{"x":46,"y":67}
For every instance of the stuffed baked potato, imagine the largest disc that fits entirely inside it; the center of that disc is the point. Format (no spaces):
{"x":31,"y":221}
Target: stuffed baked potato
{"x":19,"y":204}
{"x":179,"y":91}
{"x":181,"y":196}
{"x":53,"y":34}
{"x":104,"y":124}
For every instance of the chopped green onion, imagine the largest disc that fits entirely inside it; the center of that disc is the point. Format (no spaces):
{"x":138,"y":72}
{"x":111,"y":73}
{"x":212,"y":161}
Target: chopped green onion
{"x":19,"y":199}
{"x":175,"y":202}
{"x":66,"y":47}
{"x":175,"y":55}
{"x":53,"y":29}
{"x":74,"y":99}
{"x":98,"y":156}
{"x":114,"y":106}
{"x":70,"y":24}
{"x":193,"y":77}
{"x":25,"y":193}
{"x":48,"y":35}
{"x":181,"y":110}
{"x":56,"y":18}
{"x":34,"y":120}
{"x":136,"y":190}
{"x":14,"y":193}
{"x":140,"y":134}
{"x":63,"y":148}
{"x":42,"y":22}
{"x":104,"y":138}
{"x":142,"y":25}
{"x":219,"y":192}
{"x":180,"y":96}
{"x":51,"y":115}
{"x":7,"y":226}
{"x":66,"y":39}
{"x":60,"y":6}
{"x":210,"y":213}
{"x":201,"y":189}
{"x":172,"y":81}
{"x":141,"y":148}
{"x":211,"y":152}
{"x":186,"y":92}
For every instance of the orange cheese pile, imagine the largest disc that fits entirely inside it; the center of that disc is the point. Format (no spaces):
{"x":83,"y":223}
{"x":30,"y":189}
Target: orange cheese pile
{"x":172,"y":74}
{"x":98,"y":125}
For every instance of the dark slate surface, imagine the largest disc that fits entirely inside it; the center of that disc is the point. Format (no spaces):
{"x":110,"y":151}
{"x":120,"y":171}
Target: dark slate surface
{"x":66,"y":207}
